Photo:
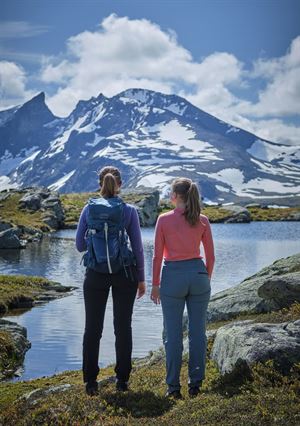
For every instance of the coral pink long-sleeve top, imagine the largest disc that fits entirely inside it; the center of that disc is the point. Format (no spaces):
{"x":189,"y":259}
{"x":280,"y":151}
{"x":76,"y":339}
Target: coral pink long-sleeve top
{"x":176,"y":239}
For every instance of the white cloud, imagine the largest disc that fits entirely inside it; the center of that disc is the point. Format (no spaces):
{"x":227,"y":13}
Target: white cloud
{"x":21,"y":29}
{"x":123,"y":53}
{"x":281,"y":96}
{"x":12,"y":85}
{"x":127,"y":53}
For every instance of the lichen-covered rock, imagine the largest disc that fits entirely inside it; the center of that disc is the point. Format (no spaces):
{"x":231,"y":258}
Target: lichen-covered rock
{"x":283,"y":289}
{"x":245,"y":298}
{"x":240,"y":344}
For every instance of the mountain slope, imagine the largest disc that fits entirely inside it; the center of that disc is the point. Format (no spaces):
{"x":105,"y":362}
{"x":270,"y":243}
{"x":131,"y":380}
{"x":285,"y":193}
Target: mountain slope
{"x":152,"y":138}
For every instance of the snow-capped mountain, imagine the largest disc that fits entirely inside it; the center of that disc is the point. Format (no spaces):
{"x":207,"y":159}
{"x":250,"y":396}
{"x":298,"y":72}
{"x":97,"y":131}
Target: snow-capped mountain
{"x":152,"y":138}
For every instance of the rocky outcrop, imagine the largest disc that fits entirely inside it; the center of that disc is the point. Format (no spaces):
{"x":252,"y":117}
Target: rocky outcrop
{"x":283,"y":290}
{"x":146,"y":200}
{"x":33,"y":200}
{"x":238,"y":214}
{"x":48,"y":202}
{"x":15,"y":355}
{"x":238,"y":345}
{"x":247,"y":296}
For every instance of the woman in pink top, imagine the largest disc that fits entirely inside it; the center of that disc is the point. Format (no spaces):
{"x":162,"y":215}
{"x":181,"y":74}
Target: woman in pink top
{"x":185,"y":280}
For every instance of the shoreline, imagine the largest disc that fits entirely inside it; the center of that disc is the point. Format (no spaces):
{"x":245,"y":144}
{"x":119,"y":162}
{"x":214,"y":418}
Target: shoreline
{"x":21,"y":292}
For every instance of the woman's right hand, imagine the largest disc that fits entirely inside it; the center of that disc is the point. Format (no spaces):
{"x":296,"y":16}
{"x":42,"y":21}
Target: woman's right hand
{"x":155,"y":297}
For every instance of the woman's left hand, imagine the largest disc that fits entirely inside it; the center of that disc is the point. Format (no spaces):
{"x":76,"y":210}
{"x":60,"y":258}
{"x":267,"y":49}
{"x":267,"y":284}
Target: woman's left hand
{"x":141,"y":289}
{"x":155,"y":296}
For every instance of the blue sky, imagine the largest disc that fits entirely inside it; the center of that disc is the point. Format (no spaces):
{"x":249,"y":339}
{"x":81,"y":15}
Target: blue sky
{"x":237,"y":59}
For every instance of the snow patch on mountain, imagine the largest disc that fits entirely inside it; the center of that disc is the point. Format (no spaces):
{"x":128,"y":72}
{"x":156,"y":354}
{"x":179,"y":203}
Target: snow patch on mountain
{"x":253,"y":187}
{"x":8,"y":162}
{"x":268,"y":152}
{"x":58,"y":145}
{"x":61,"y":182}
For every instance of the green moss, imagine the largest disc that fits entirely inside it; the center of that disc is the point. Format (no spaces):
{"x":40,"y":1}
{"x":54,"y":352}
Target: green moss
{"x":10,"y":212}
{"x":8,"y":358}
{"x":15,"y":289}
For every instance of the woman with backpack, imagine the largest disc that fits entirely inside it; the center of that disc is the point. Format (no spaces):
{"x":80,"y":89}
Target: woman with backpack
{"x":185,"y":280}
{"x":105,"y":222}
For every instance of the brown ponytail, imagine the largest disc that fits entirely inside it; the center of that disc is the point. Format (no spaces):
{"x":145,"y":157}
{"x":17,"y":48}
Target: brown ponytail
{"x":188,"y":191}
{"x":109,"y":181}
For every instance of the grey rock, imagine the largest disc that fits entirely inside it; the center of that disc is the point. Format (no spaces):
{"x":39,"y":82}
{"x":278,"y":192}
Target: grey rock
{"x":284,"y":290}
{"x":294,"y":216}
{"x":4,"y":225}
{"x":9,"y":239}
{"x":30,"y":202}
{"x":32,"y":397}
{"x":237,"y":346}
{"x":147,"y":206}
{"x":244,"y":297}
{"x":21,"y":344}
{"x":239,"y":214}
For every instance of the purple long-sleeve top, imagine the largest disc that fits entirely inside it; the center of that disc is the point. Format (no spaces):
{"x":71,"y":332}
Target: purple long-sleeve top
{"x":132,"y":226}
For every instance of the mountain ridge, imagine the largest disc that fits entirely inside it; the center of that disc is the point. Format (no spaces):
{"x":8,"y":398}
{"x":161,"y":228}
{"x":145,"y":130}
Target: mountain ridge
{"x":152,"y":138}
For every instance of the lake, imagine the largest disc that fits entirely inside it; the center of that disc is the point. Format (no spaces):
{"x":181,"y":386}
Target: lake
{"x":55,"y":329}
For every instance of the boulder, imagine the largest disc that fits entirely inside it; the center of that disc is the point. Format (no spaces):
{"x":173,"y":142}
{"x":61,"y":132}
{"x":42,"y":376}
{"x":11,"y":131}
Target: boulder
{"x":30,"y":201}
{"x":238,"y":214}
{"x":4,"y":225}
{"x":20,"y":342}
{"x":146,"y":200}
{"x":284,"y":290}
{"x":246,"y":298}
{"x":240,"y":344}
{"x":9,"y":239}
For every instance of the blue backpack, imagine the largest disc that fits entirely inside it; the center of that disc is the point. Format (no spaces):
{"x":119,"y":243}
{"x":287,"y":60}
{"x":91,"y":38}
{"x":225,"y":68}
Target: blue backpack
{"x":107,"y":240}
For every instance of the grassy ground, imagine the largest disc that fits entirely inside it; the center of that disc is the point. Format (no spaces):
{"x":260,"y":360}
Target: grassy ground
{"x":9,"y":212}
{"x":19,"y":289}
{"x":264,"y":398}
{"x":74,"y":202}
{"x":218,"y":214}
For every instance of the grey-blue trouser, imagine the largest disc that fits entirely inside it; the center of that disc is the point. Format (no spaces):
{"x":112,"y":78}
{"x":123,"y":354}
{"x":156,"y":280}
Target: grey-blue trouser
{"x":184,"y":282}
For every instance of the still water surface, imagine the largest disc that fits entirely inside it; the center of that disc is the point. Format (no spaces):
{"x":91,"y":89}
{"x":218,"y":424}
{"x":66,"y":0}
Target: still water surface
{"x":55,"y":329}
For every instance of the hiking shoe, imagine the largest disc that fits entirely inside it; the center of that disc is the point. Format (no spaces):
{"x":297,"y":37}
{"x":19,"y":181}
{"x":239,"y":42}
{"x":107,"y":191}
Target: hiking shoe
{"x":174,"y":394}
{"x":193,"y":391}
{"x":91,"y":388}
{"x":121,"y":386}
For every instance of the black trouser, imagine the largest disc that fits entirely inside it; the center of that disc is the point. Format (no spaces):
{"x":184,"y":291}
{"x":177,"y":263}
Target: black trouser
{"x":96,"y":288}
